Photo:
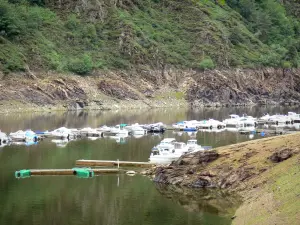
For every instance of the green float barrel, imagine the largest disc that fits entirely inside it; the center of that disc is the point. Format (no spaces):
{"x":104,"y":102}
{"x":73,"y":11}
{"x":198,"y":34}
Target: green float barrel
{"x":22,"y":173}
{"x":83,"y":172}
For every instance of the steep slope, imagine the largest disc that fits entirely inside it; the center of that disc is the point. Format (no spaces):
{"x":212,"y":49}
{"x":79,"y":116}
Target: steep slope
{"x":80,"y":36}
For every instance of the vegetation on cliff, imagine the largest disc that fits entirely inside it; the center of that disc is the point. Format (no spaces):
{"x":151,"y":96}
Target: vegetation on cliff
{"x":80,"y":36}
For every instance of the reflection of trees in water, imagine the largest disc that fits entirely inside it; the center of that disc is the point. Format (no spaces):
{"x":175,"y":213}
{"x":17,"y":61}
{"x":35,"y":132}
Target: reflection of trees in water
{"x":212,"y":201}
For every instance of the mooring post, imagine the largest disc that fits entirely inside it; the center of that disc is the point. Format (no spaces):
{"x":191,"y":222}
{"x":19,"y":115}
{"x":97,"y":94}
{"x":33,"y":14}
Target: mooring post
{"x":118,"y":164}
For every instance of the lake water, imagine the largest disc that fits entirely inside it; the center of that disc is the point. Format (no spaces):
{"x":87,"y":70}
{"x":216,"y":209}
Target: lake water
{"x":108,"y":199}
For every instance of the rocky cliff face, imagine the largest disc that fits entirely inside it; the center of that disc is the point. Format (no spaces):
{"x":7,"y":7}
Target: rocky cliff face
{"x":153,"y":88}
{"x":231,"y":87}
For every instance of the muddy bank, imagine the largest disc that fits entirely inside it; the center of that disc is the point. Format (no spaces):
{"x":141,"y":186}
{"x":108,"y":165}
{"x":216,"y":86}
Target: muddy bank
{"x":264,"y":172}
{"x":148,"y":88}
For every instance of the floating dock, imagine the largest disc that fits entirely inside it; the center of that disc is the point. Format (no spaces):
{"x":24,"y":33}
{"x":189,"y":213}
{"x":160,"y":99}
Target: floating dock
{"x":55,"y":172}
{"x":110,"y":163}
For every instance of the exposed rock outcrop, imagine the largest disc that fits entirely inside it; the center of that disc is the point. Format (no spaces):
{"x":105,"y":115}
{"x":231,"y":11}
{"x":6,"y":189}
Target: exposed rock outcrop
{"x":152,"y":88}
{"x":281,"y":155}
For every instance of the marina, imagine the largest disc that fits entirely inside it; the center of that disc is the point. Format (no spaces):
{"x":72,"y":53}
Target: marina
{"x":268,"y":124}
{"x":47,"y":192}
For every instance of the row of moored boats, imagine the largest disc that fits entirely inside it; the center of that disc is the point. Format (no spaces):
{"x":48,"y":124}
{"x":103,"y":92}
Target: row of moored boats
{"x":63,"y":133}
{"x":138,"y":130}
{"x":236,"y":121}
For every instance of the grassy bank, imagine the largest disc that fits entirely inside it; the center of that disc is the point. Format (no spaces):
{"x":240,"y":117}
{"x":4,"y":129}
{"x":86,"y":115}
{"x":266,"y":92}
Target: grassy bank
{"x":264,"y":172}
{"x":271,"y":192}
{"x":271,"y":196}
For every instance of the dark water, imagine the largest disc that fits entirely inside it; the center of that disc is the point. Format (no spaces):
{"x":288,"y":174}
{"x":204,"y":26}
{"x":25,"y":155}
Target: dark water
{"x":109,"y":199}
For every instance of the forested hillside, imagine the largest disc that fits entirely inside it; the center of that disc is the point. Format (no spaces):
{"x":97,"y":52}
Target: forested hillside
{"x":80,"y":36}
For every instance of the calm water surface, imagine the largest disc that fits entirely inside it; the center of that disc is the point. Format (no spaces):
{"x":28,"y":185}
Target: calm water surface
{"x":109,"y":199}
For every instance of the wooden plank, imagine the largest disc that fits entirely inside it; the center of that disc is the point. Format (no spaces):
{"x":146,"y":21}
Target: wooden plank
{"x":110,"y":163}
{"x":41,"y":172}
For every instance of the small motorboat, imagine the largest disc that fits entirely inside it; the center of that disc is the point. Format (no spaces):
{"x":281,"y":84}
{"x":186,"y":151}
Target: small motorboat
{"x":90,"y":132}
{"x":136,"y":129}
{"x":211,"y":124}
{"x":233,"y":121}
{"x":295,"y":118}
{"x":27,"y":135}
{"x":104,"y":128}
{"x":161,"y":155}
{"x":264,"y":119}
{"x":119,"y":130}
{"x":279,"y":119}
{"x":62,"y":133}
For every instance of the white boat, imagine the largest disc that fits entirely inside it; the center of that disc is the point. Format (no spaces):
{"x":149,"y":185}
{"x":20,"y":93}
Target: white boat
{"x":211,"y":124}
{"x":248,"y":121}
{"x":277,"y":119}
{"x":169,"y":150}
{"x":233,"y":121}
{"x":104,"y":129}
{"x":4,"y":139}
{"x":180,"y":125}
{"x":154,"y":127}
{"x":136,"y":129}
{"x":27,"y":136}
{"x":90,"y":132}
{"x":192,"y":124}
{"x":119,"y":130}
{"x":61,"y":132}
{"x":180,"y":147}
{"x":167,"y":143}
{"x":160,"y":155}
{"x":264,"y":119}
{"x":295,"y":118}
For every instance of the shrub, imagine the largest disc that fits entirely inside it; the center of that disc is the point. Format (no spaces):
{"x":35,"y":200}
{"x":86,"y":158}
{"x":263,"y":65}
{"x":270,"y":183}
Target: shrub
{"x":286,"y":64}
{"x":81,"y":66}
{"x":207,"y":63}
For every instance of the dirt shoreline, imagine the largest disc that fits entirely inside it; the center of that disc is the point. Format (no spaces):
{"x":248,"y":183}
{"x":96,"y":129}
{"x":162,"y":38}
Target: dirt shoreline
{"x":264,"y":172}
{"x":102,"y":90}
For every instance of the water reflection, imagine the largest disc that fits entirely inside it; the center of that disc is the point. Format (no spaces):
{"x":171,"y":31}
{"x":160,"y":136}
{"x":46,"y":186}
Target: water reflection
{"x":204,"y":201}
